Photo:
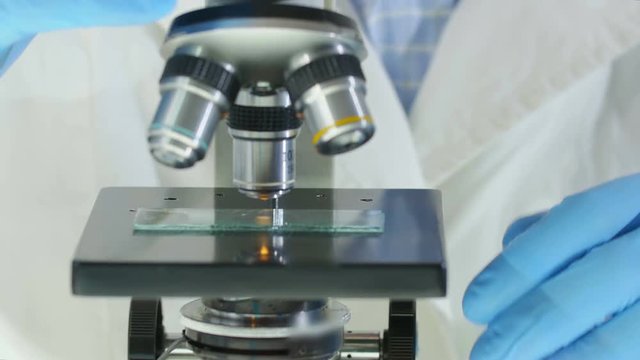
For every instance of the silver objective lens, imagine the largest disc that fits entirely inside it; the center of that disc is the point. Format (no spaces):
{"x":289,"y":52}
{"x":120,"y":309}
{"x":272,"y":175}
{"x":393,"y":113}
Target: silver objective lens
{"x":196,"y":93}
{"x":330,"y":93}
{"x":264,"y":163}
{"x":264,"y":147}
{"x":337,"y":115}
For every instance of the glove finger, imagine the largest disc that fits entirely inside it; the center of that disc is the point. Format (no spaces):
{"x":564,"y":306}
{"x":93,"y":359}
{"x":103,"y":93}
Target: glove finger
{"x":633,"y":225}
{"x":579,"y":223}
{"x":33,"y":16}
{"x":519,"y":226}
{"x":616,"y":339}
{"x":567,"y":306}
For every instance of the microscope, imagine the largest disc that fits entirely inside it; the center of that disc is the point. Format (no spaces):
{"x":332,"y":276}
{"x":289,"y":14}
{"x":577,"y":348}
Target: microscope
{"x":255,"y":81}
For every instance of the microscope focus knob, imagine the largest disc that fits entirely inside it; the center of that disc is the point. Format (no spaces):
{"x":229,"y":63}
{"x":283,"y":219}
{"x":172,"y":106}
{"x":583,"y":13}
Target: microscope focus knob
{"x":400,"y":339}
{"x":146,"y":332}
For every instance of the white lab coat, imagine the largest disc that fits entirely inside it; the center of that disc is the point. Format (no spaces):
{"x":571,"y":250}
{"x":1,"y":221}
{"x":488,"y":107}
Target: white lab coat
{"x":525,"y":102}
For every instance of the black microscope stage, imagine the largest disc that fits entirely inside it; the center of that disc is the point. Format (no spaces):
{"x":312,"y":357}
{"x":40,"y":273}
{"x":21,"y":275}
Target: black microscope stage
{"x":404,"y":260}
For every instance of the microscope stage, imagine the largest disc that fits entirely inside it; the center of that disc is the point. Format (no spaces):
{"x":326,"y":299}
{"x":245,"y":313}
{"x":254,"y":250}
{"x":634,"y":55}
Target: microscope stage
{"x":403,"y":259}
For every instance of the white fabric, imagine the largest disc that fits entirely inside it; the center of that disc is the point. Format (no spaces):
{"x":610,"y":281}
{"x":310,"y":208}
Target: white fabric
{"x":523,"y":104}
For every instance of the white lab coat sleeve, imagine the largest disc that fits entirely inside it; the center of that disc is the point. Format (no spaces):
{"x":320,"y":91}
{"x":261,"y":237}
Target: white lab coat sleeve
{"x":69,"y":126}
{"x":526,"y":102}
{"x":74,"y":111}
{"x":500,"y":60}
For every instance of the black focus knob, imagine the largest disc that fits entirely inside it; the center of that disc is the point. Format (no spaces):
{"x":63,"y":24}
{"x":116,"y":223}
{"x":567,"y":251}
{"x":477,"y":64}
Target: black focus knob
{"x":400,"y":339}
{"x":146,"y":331}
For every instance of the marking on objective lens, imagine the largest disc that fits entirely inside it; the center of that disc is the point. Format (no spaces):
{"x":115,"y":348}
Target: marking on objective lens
{"x":341,"y":122}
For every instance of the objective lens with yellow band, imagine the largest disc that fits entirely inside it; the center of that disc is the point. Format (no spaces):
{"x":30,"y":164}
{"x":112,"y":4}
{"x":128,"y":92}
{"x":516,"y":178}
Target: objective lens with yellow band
{"x":339,"y":123}
{"x":330,"y":92}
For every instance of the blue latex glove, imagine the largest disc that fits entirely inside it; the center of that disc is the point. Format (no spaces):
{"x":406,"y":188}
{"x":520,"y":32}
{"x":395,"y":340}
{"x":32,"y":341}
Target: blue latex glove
{"x":567,"y":283}
{"x":20,"y":20}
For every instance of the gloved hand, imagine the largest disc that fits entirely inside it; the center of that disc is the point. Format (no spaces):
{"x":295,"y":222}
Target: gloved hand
{"x":20,"y":20}
{"x":567,"y":283}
